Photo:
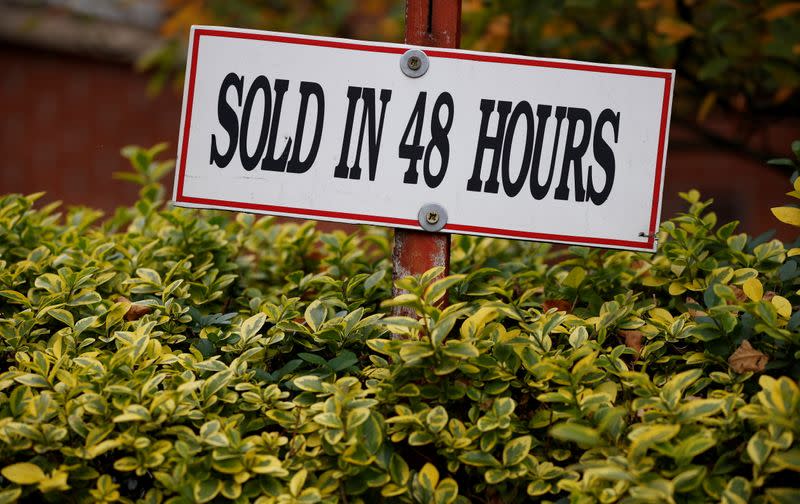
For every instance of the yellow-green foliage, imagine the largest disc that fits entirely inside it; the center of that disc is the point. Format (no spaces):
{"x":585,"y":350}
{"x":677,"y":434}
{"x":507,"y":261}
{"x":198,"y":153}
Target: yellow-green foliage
{"x":787,"y":214}
{"x":169,"y":355}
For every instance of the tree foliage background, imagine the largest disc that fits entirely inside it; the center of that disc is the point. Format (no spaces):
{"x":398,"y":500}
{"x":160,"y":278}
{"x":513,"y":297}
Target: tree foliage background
{"x":740,"y":58}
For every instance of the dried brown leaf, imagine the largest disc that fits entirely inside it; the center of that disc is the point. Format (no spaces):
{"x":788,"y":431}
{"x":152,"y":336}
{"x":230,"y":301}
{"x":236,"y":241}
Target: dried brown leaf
{"x":558,"y":304}
{"x":135,"y":311}
{"x":746,"y":358}
{"x":633,"y":339}
{"x":740,"y":295}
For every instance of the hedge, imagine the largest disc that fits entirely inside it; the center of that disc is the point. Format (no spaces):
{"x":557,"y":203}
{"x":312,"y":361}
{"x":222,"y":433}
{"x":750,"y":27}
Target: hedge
{"x":173,"y":355}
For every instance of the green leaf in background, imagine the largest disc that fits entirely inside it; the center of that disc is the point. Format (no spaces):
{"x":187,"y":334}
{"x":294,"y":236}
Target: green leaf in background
{"x":23,"y":473}
{"x":576,"y":433}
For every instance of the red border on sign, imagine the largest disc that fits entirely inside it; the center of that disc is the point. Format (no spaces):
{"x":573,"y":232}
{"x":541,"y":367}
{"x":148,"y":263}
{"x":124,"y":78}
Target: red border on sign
{"x":376,"y":219}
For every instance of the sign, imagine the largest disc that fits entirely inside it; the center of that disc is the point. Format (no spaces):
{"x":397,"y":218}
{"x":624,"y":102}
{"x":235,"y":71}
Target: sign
{"x":509,"y":146}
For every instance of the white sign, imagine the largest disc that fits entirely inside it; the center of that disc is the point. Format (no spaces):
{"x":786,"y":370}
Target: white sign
{"x":510,"y":146}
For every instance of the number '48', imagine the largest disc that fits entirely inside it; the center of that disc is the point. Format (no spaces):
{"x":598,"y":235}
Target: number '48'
{"x":414,"y":151}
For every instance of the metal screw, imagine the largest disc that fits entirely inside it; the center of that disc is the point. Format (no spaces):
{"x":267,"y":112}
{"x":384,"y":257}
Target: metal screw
{"x":432,"y":217}
{"x":414,"y":63}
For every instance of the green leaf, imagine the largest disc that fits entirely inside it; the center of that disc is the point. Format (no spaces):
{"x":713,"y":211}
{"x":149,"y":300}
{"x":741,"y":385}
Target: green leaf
{"x":789,"y":215}
{"x":216,"y":382}
{"x":313,"y":359}
{"x":692,"y":446}
{"x":479,"y":459}
{"x":476,"y":322}
{"x":460,"y":350}
{"x":782,"y":306}
{"x":62,"y":316}
{"x":398,"y":469}
{"x":446,"y":492}
{"x":737,"y":491}
{"x":436,"y":419}
{"x":741,"y":275}
{"x":297,"y":482}
{"x":402,"y":322}
{"x":149,"y":275}
{"x":578,"y":337}
{"x":437,"y":289}
{"x":269,"y":464}
{"x":441,"y":329}
{"x":495,"y":476}
{"x":430,"y":275}
{"x":753,"y":289}
{"x":646,"y":435}
{"x":676,"y":289}
{"x":32,"y":380}
{"x":133,"y":413}
{"x":10,"y":496}
{"x":699,"y":408}
{"x":15,"y":297}
{"x":372,"y":281}
{"x":576,"y":433}
{"x":673,"y":389}
{"x":252,"y":325}
{"x":575,"y":277}
{"x":50,"y":282}
{"x":538,"y":487}
{"x":503,"y":406}
{"x":309,"y":383}
{"x":87,"y":298}
{"x":392,"y":490}
{"x":787,"y":460}
{"x":781,"y":495}
{"x":610,"y":473}
{"x":357,"y":417}
{"x":411,"y":352}
{"x":343,"y":361}
{"x":116,"y":313}
{"x":315,"y":314}
{"x":56,"y":482}
{"x":428,"y":477}
{"x":516,"y":450}
{"x":420,"y":438}
{"x":781,"y":395}
{"x":84,"y":324}
{"x":689,"y":479}
{"x":168,"y":290}
{"x":757,"y":449}
{"x":23,"y":473}
{"x":205,"y":490}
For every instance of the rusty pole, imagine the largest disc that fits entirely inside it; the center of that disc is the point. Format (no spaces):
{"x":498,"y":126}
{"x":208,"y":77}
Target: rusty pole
{"x":433,"y":23}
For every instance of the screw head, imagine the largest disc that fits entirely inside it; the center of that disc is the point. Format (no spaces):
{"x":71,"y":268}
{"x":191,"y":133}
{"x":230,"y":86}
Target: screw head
{"x":414,"y":63}
{"x":432,"y":217}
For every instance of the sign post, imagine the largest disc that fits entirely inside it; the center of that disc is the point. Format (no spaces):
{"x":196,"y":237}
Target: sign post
{"x":433,"y":24}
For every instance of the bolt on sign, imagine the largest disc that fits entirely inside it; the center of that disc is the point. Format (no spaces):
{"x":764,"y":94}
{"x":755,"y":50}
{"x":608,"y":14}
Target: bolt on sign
{"x":438,"y":139}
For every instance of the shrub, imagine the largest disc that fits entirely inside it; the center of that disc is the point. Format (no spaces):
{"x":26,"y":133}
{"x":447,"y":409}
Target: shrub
{"x":170,"y":355}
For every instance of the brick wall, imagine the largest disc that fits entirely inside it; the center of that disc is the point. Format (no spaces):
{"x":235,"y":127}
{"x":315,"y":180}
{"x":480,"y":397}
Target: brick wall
{"x":65,"y":119}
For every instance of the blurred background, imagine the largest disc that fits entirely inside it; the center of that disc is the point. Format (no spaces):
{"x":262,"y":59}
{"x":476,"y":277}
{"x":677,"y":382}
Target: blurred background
{"x":82,"y":78}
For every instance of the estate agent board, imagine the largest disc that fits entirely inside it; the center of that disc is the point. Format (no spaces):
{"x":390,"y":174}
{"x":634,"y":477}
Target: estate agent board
{"x":363,"y":132}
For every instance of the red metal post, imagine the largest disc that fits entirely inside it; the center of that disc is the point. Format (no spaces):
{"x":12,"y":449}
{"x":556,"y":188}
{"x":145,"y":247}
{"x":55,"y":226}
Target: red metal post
{"x":434,"y":23}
